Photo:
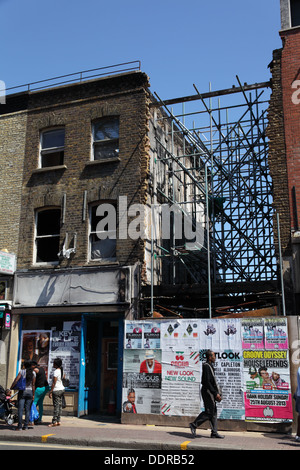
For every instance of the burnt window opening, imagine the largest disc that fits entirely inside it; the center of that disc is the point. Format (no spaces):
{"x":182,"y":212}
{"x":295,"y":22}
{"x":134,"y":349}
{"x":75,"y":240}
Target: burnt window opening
{"x":106,"y":138}
{"x":103,"y":232}
{"x":52,"y":148}
{"x":295,"y":12}
{"x":47,"y":235}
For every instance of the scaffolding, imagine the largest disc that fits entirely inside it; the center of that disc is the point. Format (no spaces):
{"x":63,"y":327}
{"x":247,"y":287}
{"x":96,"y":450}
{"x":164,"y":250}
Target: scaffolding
{"x":218,"y":148}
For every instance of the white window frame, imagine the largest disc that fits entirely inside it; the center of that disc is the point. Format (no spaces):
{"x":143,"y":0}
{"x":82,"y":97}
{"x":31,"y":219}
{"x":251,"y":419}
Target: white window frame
{"x":50,"y":150}
{"x":105,"y":142}
{"x":94,"y":232}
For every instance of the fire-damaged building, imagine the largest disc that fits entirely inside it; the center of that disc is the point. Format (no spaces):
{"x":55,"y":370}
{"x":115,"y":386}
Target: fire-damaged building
{"x":120,"y":206}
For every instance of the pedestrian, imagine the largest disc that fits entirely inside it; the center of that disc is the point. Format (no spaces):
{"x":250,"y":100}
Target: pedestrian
{"x":210,"y":394}
{"x":41,"y":389}
{"x":297,"y":405}
{"x":26,"y":396}
{"x":57,"y":392}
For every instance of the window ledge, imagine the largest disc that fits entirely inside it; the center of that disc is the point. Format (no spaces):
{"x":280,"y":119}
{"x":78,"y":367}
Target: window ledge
{"x":100,"y":162}
{"x":50,"y":168}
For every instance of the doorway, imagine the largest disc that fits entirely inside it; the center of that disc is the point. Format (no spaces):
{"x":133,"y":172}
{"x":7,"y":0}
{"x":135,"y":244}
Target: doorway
{"x":101,"y":366}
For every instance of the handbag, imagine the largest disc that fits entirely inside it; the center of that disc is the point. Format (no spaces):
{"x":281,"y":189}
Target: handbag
{"x":21,"y":384}
{"x":34,"y":414}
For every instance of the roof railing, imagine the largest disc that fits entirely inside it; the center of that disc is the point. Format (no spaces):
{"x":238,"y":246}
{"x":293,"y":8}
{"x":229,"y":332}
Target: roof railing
{"x":78,"y":76}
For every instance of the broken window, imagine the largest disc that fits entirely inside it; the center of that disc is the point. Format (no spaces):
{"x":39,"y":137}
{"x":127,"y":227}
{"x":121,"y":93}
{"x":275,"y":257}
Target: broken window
{"x":47,"y":235}
{"x":106,"y":138}
{"x":103,"y":217}
{"x":52,"y":148}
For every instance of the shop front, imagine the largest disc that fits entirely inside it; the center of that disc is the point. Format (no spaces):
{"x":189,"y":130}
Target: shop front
{"x":87,"y":336}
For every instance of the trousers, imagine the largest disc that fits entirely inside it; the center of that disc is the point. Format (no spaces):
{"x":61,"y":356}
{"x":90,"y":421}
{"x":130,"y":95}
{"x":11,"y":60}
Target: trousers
{"x":24,"y":401}
{"x":57,"y":403}
{"x":209,"y":413}
{"x":40,"y":393}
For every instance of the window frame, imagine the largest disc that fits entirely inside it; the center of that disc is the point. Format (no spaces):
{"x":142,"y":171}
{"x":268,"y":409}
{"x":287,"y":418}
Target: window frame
{"x":43,"y":237}
{"x":94,"y":232}
{"x":105,"y":142}
{"x":51,"y":150}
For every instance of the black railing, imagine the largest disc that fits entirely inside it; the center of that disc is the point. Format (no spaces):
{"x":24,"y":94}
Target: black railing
{"x":77,"y":77}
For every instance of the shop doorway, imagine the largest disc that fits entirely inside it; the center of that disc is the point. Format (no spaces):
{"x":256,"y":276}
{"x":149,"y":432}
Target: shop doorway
{"x":102,"y":361}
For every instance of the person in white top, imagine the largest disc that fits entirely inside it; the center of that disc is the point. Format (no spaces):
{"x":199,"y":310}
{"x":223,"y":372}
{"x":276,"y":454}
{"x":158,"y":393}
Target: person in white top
{"x":57,"y":391}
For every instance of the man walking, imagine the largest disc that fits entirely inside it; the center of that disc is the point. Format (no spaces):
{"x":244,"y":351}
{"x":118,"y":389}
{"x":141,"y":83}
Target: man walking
{"x":210,"y":394}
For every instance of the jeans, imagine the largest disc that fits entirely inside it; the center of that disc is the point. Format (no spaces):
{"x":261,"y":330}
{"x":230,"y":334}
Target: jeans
{"x":39,"y":396}
{"x":24,"y":401}
{"x":57,"y":403}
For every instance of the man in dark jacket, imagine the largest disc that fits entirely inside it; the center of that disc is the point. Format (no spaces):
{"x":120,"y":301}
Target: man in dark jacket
{"x":210,"y":394}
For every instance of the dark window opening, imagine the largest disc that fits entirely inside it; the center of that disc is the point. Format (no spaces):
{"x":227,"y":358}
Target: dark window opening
{"x":106,"y":138}
{"x":47,"y":236}
{"x":295,"y":12}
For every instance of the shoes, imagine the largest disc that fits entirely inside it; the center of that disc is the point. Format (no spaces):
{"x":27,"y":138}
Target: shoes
{"x":216,"y":435}
{"x":297,"y":438}
{"x":193,"y":429}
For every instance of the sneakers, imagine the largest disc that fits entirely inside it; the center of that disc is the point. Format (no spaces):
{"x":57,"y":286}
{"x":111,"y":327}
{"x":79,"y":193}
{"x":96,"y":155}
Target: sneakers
{"x":193,"y":429}
{"x":297,"y":438}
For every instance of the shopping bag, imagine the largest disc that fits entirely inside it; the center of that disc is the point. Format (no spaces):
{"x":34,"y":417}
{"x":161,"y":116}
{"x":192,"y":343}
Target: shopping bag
{"x":21,"y":384}
{"x":34,"y":414}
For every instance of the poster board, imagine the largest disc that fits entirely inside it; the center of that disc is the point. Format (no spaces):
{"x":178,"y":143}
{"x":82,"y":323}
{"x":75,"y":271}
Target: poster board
{"x":180,"y":345}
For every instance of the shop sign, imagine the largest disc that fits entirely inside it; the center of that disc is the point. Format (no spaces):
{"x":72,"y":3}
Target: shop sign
{"x":7,"y":263}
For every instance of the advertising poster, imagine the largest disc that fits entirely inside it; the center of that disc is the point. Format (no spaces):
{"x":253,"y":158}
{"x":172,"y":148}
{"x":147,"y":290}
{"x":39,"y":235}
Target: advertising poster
{"x":65,"y":344}
{"x":183,"y":332}
{"x":163,"y":367}
{"x":180,"y":383}
{"x":276,"y":336}
{"x":133,"y":335}
{"x":267,"y":386}
{"x":229,"y":373}
{"x":35,"y":346}
{"x":252,"y":333}
{"x":142,"y":381}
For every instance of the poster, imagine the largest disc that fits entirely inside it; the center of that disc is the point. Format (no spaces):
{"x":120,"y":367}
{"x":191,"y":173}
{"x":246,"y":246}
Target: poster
{"x":180,"y":383}
{"x":252,"y":333}
{"x":267,"y":386}
{"x":141,"y":381}
{"x":65,"y":344}
{"x":163,"y":367}
{"x":185,"y":332}
{"x":35,"y":346}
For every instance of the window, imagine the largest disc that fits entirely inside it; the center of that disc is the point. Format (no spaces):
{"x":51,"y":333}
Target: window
{"x":47,"y":236}
{"x":103,"y":232}
{"x":106,"y":138}
{"x":52,"y":148}
{"x":295,"y":13}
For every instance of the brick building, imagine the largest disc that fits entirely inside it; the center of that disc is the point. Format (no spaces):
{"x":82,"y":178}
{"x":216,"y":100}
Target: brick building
{"x":284,"y":156}
{"x":78,"y":148}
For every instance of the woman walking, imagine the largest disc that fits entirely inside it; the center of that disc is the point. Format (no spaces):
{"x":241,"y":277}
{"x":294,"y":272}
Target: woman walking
{"x":57,"y":391}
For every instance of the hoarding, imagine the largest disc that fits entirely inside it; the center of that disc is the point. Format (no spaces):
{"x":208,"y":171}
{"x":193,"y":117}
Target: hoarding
{"x":174,"y":351}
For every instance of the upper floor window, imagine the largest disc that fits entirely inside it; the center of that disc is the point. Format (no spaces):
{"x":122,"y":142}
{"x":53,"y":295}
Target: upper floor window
{"x":47,"y":236}
{"x":103,"y":232}
{"x":106,"y":138}
{"x":52,"y":148}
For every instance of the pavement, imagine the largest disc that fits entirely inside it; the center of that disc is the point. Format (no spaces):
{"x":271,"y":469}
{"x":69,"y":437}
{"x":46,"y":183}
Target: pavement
{"x":109,"y":433}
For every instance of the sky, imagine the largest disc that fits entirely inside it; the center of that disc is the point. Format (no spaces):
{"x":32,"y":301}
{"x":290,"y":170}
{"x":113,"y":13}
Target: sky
{"x":179,"y":43}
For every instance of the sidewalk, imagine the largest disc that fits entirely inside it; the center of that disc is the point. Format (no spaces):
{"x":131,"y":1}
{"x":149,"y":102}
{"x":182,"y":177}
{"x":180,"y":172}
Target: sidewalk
{"x":98,"y":432}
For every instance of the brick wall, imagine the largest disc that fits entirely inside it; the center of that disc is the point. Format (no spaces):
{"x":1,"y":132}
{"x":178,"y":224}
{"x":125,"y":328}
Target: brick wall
{"x":290,"y":73}
{"x":75,"y":107}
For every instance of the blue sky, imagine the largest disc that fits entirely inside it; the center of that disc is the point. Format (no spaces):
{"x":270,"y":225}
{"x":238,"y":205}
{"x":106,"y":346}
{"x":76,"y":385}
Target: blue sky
{"x":178,"y":42}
